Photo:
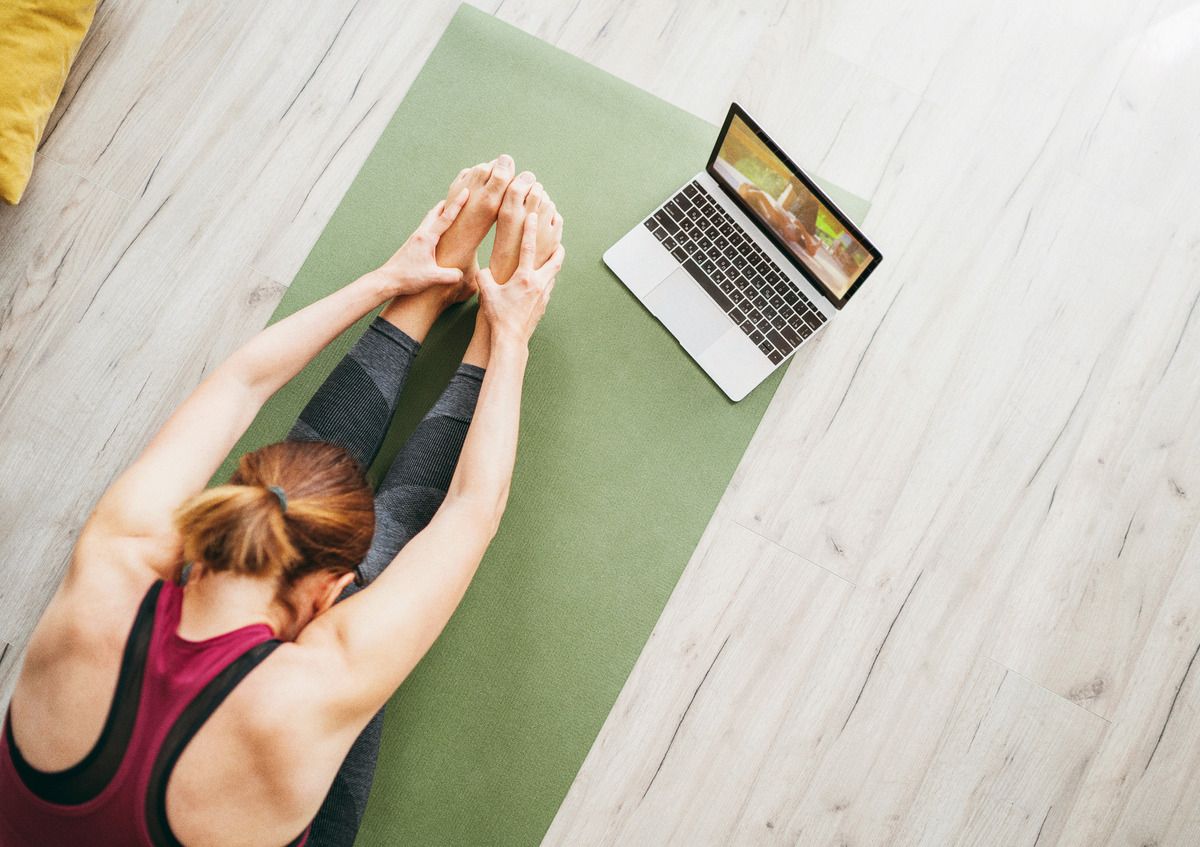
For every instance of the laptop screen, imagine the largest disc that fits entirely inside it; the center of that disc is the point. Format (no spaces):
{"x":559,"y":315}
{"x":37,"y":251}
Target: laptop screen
{"x":804,"y":223}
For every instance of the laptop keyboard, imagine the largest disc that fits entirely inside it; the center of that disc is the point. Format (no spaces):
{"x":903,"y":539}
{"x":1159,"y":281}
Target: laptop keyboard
{"x":735,"y":272}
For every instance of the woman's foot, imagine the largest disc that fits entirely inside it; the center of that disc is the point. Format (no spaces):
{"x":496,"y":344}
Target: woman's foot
{"x":523,"y":197}
{"x":458,"y":246}
{"x":415,"y":313}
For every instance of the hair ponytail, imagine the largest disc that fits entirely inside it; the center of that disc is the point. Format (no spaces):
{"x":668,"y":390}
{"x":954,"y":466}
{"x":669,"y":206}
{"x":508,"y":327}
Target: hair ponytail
{"x":289,"y":509}
{"x":236,"y":528}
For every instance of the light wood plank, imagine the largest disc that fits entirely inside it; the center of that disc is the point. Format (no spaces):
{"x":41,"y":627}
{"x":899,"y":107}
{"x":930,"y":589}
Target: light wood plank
{"x":9,"y":663}
{"x":1144,"y":785}
{"x":1121,"y":517}
{"x":148,"y":62}
{"x":1008,"y":766}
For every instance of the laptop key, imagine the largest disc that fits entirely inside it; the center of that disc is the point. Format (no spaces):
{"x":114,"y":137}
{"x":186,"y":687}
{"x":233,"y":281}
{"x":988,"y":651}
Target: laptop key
{"x":796,"y":320}
{"x":812,"y":320}
{"x":679,"y":253}
{"x":778,"y":341}
{"x":775,"y":356}
{"x":708,"y":285}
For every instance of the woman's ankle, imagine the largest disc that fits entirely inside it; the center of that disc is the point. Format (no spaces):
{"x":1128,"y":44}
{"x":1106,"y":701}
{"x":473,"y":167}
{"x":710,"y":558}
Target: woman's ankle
{"x":416,"y":313}
{"x":479,"y":349}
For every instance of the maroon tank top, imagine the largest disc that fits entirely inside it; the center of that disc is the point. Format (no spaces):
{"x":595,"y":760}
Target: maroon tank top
{"x":166,"y":689}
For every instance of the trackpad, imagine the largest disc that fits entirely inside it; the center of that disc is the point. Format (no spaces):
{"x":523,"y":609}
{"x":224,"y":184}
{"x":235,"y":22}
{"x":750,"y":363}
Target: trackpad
{"x":691,"y":315}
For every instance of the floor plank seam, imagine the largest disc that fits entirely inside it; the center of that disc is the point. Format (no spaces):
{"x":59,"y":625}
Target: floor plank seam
{"x":1074,"y":703}
{"x":78,"y":174}
{"x":787,"y":549}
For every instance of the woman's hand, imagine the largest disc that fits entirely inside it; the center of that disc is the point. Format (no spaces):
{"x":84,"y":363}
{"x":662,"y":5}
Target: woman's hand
{"x":513,"y":309}
{"x":414,"y":268}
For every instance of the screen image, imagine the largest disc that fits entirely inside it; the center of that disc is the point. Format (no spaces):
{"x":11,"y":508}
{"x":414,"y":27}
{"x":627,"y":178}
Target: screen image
{"x":783,"y":203}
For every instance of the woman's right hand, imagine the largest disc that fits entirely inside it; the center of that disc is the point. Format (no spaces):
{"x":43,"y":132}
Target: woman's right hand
{"x":513,"y":309}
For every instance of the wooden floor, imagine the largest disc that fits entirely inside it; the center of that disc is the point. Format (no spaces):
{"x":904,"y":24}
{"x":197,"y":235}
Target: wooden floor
{"x":953,"y":593}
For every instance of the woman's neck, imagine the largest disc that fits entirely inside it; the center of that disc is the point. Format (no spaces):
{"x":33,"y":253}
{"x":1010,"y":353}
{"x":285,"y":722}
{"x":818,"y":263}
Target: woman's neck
{"x":216,"y":603}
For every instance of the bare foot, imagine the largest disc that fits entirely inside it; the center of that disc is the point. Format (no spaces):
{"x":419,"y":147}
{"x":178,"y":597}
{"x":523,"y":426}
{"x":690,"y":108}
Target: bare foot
{"x":523,"y":197}
{"x":550,"y":225}
{"x":457,"y":248}
{"x":415,"y":313}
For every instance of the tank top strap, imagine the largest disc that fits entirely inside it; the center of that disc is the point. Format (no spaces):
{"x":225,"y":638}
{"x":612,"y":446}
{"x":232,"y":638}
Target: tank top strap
{"x":86,"y":779}
{"x":185,"y":727}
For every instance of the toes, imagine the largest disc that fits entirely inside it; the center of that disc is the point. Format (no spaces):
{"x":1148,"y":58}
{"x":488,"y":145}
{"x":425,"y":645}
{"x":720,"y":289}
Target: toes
{"x":517,"y":191}
{"x":478,"y":175}
{"x":501,"y":175}
{"x":458,"y":184}
{"x":534,"y":198}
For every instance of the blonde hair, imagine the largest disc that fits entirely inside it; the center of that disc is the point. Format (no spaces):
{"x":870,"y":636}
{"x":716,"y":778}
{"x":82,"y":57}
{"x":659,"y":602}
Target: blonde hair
{"x":324,"y":519}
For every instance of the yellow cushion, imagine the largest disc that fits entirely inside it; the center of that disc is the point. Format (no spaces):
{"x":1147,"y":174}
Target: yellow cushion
{"x":38,"y":42}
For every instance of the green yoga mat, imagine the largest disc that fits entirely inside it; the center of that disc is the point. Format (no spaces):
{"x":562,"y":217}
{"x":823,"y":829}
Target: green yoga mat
{"x":626,"y":446}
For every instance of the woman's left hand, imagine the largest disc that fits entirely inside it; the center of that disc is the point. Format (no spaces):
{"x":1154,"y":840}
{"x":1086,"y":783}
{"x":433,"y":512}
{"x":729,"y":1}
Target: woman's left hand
{"x":414,"y":266}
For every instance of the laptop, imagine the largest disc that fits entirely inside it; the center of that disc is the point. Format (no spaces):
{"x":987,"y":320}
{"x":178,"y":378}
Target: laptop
{"x":745,"y":262}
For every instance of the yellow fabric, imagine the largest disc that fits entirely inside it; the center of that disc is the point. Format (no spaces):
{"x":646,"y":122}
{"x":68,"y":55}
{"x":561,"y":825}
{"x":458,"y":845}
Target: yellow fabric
{"x":38,"y":42}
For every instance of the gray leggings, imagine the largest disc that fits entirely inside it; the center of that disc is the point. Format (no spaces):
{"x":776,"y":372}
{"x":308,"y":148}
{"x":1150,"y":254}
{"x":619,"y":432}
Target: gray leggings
{"x":352,"y":409}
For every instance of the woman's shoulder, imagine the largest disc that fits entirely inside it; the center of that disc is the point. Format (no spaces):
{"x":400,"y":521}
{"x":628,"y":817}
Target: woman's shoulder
{"x":92,"y":609}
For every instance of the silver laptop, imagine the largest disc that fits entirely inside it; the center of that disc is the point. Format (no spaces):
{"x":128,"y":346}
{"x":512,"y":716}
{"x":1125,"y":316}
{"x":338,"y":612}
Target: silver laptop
{"x":745,"y":262}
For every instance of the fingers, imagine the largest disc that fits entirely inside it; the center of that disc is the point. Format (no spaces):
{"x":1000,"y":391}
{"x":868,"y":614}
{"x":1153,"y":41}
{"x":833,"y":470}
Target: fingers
{"x":553,"y":265}
{"x":430,"y":219}
{"x":448,"y":276}
{"x":528,"y":243}
{"x":442,"y":215}
{"x":486,"y":282}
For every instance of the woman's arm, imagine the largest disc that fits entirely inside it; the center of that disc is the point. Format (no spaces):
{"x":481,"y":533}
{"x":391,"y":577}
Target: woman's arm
{"x":186,"y":452}
{"x":373,"y":639}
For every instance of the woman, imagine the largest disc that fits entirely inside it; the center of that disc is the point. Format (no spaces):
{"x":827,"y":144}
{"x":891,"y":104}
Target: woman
{"x":247,"y":700}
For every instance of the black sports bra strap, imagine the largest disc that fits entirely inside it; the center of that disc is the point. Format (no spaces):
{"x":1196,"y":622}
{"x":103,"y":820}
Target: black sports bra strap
{"x":85,"y":780}
{"x":185,"y":728}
